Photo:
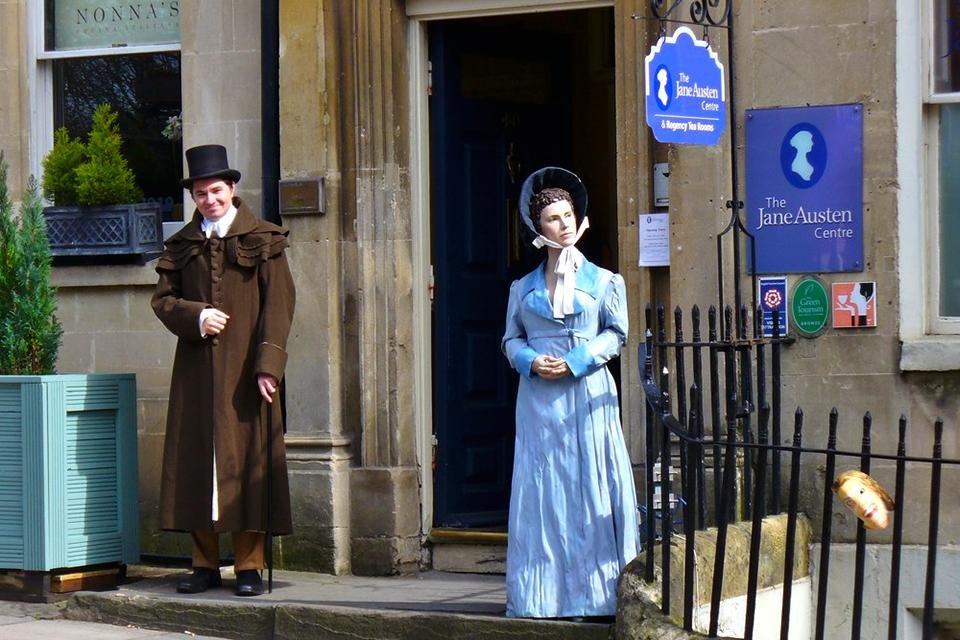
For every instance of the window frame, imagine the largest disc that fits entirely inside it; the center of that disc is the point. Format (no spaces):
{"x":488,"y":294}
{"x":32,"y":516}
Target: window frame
{"x":928,"y":343}
{"x":935,"y":323}
{"x":108,"y":51}
{"x":40,"y":90}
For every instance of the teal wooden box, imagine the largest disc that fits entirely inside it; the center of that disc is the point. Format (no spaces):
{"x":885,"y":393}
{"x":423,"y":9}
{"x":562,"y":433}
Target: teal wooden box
{"x":68,"y":471}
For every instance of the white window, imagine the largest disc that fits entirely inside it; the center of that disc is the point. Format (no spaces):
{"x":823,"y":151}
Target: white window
{"x":942,"y":126}
{"x":89,"y":52}
{"x":928,"y":159}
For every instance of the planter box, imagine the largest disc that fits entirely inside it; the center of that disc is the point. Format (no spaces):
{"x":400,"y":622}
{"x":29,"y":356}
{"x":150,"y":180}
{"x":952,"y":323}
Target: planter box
{"x":115,"y":230}
{"x":68,"y":471}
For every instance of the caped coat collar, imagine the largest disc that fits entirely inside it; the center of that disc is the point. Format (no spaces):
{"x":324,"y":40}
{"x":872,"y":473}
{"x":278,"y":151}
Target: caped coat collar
{"x":534,"y":284}
{"x":244,"y":223}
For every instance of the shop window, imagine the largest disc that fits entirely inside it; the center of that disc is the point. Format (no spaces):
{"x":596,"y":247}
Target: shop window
{"x":126,"y":54}
{"x":145,"y":91}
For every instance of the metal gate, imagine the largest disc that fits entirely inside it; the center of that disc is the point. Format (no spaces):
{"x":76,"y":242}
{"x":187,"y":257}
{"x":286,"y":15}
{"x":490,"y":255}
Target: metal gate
{"x":690,"y":424}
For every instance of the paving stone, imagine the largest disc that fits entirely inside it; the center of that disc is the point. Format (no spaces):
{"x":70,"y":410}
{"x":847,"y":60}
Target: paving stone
{"x":426,"y":606}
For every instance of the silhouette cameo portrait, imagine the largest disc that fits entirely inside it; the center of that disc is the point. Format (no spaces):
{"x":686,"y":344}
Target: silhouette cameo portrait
{"x":802,"y":141}
{"x":663,"y":78}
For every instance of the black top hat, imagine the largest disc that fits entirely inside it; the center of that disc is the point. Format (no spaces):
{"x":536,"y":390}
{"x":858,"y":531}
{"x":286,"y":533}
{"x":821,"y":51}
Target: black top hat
{"x":552,"y":177}
{"x":208,"y":161}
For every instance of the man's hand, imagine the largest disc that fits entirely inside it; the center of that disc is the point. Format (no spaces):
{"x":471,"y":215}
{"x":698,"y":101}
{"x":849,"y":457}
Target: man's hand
{"x":268,"y":386}
{"x":550,"y":367}
{"x":214,"y":322}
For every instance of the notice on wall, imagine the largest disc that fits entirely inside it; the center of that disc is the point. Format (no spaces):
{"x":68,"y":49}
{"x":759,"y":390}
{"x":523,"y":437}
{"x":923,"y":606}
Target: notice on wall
{"x":99,"y":24}
{"x":654,"y":239}
{"x":805,"y":188}
{"x":854,"y":304}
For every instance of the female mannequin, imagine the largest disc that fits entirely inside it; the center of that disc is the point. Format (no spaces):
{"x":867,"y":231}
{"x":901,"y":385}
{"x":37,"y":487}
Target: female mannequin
{"x":573,"y":511}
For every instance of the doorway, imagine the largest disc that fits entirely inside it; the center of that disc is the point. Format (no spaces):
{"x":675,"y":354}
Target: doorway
{"x":509,"y":95}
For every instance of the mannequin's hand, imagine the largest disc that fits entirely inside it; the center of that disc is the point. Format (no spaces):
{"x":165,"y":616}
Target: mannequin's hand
{"x":550,"y":367}
{"x":214,"y":322}
{"x":268,"y":386}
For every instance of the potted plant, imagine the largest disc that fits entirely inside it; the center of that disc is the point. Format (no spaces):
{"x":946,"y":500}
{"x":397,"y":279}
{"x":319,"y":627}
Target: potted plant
{"x":68,"y":461}
{"x":96,"y":202}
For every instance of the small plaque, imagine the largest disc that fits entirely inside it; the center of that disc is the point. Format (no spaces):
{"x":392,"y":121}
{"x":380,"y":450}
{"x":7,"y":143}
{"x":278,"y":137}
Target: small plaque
{"x":854,"y":304}
{"x":303,"y":196}
{"x":809,"y":307}
{"x":773,"y":297}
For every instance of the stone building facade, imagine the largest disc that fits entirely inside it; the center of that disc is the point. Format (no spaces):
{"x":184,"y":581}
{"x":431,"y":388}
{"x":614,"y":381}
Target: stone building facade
{"x":358,"y":109}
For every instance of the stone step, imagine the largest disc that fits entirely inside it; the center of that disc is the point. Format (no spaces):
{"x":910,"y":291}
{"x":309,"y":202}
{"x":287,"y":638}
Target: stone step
{"x":468,"y":550}
{"x":470,"y":558}
{"x":423,"y":607}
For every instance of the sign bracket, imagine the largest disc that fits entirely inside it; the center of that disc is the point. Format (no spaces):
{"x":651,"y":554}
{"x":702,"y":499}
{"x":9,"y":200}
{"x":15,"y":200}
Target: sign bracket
{"x":708,"y":14}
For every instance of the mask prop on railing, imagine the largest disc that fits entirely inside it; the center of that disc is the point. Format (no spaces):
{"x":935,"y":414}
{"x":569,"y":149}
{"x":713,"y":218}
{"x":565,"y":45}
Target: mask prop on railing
{"x":865,"y":497}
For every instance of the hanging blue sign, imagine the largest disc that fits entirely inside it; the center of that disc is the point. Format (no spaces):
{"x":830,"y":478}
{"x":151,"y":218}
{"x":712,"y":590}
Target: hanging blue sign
{"x":805,"y":188}
{"x":686,"y":101}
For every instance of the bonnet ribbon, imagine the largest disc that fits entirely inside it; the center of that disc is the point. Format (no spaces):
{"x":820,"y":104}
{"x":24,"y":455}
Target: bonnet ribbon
{"x":567,"y":265}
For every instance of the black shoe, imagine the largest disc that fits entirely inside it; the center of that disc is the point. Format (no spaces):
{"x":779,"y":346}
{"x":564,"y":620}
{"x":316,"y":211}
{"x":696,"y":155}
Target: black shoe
{"x":249,"y":583}
{"x":199,"y":581}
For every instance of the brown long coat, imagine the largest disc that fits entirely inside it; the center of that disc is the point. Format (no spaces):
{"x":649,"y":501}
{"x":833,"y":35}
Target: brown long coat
{"x":214,"y":399}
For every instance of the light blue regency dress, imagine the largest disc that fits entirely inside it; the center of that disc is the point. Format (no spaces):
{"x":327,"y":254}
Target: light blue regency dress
{"x":573,"y":506}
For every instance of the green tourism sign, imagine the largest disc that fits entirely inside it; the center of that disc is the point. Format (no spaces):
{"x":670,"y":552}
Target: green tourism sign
{"x":809,"y":306}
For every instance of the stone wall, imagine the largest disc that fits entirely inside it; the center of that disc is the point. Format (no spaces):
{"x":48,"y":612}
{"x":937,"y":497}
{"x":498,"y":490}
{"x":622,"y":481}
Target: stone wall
{"x":12,"y":85}
{"x":639,"y":604}
{"x":345,"y":119}
{"x":220,"y":79}
{"x":789,"y":54}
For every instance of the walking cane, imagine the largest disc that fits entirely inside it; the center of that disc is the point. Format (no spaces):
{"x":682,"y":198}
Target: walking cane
{"x":269,"y":540}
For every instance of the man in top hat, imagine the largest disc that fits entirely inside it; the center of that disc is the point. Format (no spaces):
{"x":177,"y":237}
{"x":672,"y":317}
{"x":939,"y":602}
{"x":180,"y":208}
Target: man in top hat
{"x":226,"y":292}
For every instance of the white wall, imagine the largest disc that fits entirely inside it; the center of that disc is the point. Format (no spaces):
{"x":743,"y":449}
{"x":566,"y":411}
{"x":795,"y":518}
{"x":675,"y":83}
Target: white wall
{"x":733,"y":613}
{"x":876,"y":592}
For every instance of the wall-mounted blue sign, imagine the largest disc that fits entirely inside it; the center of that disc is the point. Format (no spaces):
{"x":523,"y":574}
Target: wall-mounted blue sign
{"x":686,"y":101}
{"x":805,"y":188}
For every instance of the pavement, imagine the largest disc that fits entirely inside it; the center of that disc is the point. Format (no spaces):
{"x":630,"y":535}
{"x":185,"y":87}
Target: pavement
{"x":423,"y":606}
{"x":22,"y":621}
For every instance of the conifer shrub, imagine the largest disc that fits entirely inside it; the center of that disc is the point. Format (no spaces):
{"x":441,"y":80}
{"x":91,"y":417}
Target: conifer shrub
{"x":60,"y":168}
{"x":29,"y":330}
{"x":105,"y":177}
{"x":8,"y":243}
{"x":95,"y":173}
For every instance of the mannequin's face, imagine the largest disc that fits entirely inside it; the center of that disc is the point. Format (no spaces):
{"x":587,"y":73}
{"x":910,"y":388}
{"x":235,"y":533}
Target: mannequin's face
{"x":558,"y":223}
{"x":213,"y":197}
{"x":865,"y":502}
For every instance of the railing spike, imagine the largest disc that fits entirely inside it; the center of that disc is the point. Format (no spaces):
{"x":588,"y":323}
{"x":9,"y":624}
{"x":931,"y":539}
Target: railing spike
{"x":932,"y":530}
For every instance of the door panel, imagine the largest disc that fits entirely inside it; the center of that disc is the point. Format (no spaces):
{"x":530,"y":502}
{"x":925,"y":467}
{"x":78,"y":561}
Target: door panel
{"x":495,"y":114}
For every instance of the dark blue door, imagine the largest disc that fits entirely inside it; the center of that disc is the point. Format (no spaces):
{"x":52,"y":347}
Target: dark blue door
{"x":496,"y":114}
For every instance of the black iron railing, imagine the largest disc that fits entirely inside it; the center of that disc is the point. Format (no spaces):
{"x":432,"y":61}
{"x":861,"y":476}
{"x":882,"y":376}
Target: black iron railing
{"x":746,"y":482}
